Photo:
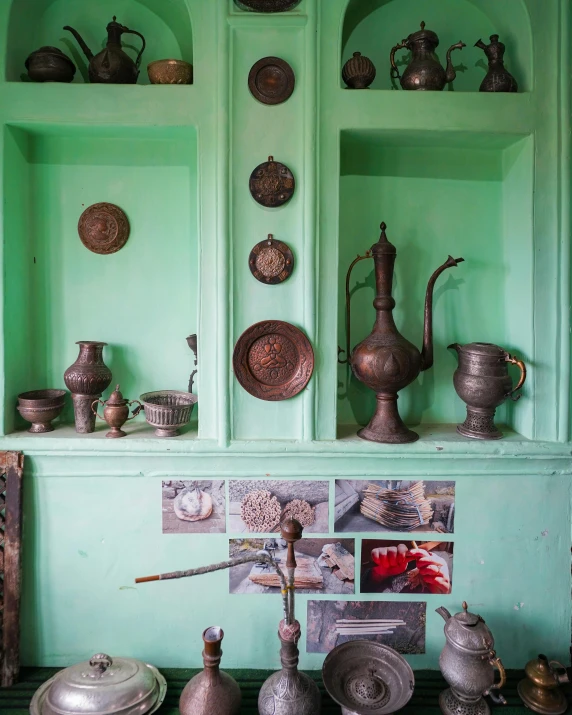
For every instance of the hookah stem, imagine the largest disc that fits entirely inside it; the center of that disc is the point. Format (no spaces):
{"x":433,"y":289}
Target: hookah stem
{"x":237,"y":561}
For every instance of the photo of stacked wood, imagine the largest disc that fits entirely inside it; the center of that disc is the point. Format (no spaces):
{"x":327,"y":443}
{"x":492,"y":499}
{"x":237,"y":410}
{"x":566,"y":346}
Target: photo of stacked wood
{"x":399,"y":510}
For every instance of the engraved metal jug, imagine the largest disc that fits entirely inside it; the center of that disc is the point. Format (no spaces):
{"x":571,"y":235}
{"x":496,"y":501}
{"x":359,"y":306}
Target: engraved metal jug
{"x":424,"y":71}
{"x":112,"y":65}
{"x":483,"y":383}
{"x":385,"y":361}
{"x":468,"y":664}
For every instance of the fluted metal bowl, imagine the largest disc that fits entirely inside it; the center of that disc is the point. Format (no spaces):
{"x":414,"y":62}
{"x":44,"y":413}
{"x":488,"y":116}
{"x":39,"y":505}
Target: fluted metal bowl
{"x":170,"y":72}
{"x":40,"y":407}
{"x":168,"y":410}
{"x":368,"y":678}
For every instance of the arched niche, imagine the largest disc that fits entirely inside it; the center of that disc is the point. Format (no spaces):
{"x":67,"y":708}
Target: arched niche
{"x":373,"y":27}
{"x":165,"y":24}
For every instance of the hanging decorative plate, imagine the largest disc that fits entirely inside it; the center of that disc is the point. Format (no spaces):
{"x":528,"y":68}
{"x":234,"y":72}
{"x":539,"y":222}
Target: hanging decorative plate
{"x":273,"y":360}
{"x":272,"y":184}
{"x":271,"y":261}
{"x":271,"y":80}
{"x":267,"y":5}
{"x":103,"y":228}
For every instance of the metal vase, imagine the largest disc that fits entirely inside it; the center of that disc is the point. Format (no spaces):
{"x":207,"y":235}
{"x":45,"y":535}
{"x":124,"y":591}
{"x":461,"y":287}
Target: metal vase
{"x":86,"y":379}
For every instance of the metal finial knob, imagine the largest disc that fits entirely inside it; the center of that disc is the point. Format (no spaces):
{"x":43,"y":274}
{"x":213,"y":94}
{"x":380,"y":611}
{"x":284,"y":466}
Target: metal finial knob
{"x":465,"y":606}
{"x":422,"y":25}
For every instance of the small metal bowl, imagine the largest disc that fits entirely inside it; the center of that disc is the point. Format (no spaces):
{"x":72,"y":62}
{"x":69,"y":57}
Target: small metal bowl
{"x":40,"y":407}
{"x":168,"y":410}
{"x":170,"y":72}
{"x":368,"y":678}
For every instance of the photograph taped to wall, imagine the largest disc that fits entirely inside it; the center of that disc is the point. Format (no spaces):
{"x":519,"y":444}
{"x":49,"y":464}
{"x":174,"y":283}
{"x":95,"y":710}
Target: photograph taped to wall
{"x":258,"y":506}
{"x":392,"y":566}
{"x":396,"y":624}
{"x":363,"y":505}
{"x":193,"y":506}
{"x":323,"y":566}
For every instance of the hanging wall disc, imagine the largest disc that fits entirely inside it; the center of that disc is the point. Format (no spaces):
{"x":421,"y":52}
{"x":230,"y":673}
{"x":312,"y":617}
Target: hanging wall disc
{"x":271,"y":261}
{"x":272,"y":184}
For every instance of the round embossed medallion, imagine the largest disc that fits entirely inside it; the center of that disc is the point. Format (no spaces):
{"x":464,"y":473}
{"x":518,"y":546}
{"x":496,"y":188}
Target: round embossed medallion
{"x":271,"y":80}
{"x":103,"y":228}
{"x":272,"y":184}
{"x":267,"y":5}
{"x":271,"y":261}
{"x":273,"y":360}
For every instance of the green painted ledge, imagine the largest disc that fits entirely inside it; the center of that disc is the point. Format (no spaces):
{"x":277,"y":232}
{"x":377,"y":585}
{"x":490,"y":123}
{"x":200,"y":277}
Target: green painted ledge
{"x":428,"y":685}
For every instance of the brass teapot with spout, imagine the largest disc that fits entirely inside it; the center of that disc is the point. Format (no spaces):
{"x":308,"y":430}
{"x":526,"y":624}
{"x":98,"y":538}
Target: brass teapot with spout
{"x":112,"y":65}
{"x":385,"y":361}
{"x":424,"y":71}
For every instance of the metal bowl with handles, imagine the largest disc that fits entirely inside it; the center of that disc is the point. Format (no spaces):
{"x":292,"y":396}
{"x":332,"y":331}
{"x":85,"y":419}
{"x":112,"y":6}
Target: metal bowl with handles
{"x":367,"y":678}
{"x":102,"y":686}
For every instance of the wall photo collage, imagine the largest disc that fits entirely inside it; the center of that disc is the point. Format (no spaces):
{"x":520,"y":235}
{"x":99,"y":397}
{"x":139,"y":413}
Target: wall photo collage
{"x":374,"y":537}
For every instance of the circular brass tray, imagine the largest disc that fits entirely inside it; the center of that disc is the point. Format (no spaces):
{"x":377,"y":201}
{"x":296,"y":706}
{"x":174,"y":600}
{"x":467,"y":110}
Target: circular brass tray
{"x":103,"y":228}
{"x":272,"y":184}
{"x":267,"y":5}
{"x":271,"y":261}
{"x":271,"y":80}
{"x":273,"y":360}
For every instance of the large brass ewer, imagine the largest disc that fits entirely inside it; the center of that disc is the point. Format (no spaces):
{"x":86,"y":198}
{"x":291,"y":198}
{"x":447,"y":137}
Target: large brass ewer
{"x":385,"y":361}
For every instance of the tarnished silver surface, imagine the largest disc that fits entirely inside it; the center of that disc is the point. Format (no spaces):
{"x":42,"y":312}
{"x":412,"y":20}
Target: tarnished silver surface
{"x":367,"y":677}
{"x":102,"y":686}
{"x":168,"y":410}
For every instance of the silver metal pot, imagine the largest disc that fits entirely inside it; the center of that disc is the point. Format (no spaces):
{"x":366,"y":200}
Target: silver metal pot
{"x":102,"y":686}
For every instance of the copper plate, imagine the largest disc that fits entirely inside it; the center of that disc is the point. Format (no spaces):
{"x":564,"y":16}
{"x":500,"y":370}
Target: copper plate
{"x":272,"y":184}
{"x":271,"y":80}
{"x":273,"y":360}
{"x":103,"y":228}
{"x":267,"y":5}
{"x":271,"y":261}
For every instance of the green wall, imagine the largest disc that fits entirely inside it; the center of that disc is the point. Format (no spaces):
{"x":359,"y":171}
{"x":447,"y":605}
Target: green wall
{"x":479,"y":176}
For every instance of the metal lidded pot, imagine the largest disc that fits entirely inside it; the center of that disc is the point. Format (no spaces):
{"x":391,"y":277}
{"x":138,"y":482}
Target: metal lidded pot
{"x":102,"y":686}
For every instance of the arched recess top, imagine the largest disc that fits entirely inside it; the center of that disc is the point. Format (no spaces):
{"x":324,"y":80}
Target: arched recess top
{"x":165,"y":24}
{"x":468,"y":20}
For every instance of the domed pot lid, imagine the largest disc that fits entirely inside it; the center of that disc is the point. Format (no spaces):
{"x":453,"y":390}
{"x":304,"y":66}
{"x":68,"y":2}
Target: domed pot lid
{"x":469,"y":633}
{"x":102,"y":686}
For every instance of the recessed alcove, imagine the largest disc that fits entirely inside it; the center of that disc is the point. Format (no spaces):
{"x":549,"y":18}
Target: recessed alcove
{"x":467,"y":195}
{"x":165,"y":24}
{"x":142,"y":300}
{"x":373,"y":27}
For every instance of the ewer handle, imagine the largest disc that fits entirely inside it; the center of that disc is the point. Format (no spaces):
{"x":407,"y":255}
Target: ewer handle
{"x":515,"y":361}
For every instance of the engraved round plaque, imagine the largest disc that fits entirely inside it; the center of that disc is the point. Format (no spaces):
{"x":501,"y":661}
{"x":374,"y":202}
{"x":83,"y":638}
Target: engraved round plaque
{"x":103,"y":228}
{"x":272,"y":184}
{"x":271,"y":261}
{"x":273,"y":360}
{"x":267,"y":5}
{"x":271,"y":80}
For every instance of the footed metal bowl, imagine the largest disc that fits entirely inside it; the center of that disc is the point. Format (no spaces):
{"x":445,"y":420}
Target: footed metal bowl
{"x":168,"y":410}
{"x":367,"y":678}
{"x":40,"y":407}
{"x":170,"y":72}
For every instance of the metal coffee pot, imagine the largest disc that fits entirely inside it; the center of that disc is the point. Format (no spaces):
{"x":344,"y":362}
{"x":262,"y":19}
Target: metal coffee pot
{"x":468,"y":664}
{"x":483,"y":382}
{"x":112,"y":65}
{"x":424,"y":71}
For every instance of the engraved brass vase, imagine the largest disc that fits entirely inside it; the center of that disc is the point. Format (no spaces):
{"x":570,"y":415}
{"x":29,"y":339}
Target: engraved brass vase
{"x":385,"y":361}
{"x":540,"y":690}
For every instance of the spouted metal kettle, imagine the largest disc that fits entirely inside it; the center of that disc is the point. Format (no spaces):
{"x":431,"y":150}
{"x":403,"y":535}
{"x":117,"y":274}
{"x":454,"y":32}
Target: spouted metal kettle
{"x":112,"y":65}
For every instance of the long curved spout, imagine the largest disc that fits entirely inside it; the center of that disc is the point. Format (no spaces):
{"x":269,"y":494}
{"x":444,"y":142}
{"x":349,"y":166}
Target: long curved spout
{"x":86,"y":51}
{"x":427,"y":351}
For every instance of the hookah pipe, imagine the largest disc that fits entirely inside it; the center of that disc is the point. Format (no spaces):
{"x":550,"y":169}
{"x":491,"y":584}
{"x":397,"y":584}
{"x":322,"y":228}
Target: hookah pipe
{"x":291,"y":531}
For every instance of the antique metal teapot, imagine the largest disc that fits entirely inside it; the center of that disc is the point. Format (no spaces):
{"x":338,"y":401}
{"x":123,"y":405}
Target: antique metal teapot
{"x":483,"y":382}
{"x":116,"y":412}
{"x":112,"y":65}
{"x":385,"y":361}
{"x":540,"y":690}
{"x":468,"y":664}
{"x":498,"y":78}
{"x":424,"y":70}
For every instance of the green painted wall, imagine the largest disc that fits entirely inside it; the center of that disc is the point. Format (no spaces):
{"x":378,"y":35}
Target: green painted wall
{"x":479,"y":176}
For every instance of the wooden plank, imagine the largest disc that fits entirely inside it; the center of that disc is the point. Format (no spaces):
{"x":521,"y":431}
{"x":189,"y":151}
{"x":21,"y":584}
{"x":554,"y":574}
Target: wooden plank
{"x":342,"y":559}
{"x":13,"y":465}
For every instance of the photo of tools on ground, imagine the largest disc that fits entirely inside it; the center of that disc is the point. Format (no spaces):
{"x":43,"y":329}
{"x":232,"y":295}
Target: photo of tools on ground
{"x":390,"y":566}
{"x":193,"y":507}
{"x":323,"y":566}
{"x":394,"y":505}
{"x":399,"y":625}
{"x":258,"y":506}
